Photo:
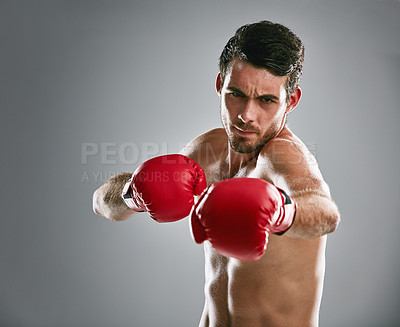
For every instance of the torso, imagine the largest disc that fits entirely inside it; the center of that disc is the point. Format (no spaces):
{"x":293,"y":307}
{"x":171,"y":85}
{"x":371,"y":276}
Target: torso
{"x":283,"y":288}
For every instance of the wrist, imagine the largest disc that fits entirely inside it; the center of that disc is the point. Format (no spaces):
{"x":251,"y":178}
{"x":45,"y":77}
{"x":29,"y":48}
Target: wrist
{"x":286,"y":213}
{"x":129,"y":199}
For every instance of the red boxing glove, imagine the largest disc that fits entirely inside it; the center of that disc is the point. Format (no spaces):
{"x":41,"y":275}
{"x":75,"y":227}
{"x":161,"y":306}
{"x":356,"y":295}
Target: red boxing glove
{"x":236,"y":215}
{"x":164,"y":187}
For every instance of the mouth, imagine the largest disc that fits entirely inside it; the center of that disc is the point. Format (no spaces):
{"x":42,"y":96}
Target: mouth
{"x":243,"y":132}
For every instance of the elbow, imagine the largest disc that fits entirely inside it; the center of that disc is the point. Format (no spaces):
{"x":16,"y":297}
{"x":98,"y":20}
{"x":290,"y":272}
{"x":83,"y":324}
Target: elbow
{"x":96,"y":203}
{"x":99,"y":205}
{"x":334,"y":221}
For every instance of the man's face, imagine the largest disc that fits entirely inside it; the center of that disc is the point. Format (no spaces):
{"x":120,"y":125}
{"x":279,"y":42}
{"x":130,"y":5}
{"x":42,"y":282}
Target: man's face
{"x":253,"y":106}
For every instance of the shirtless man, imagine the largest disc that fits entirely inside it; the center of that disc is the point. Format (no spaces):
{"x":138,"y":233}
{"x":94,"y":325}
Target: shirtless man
{"x":258,"y":173}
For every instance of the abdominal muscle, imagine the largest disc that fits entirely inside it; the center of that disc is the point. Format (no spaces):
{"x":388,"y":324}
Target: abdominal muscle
{"x":283,"y":288}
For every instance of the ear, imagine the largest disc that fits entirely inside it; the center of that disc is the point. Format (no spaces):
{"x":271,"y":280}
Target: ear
{"x":218,"y":84}
{"x":294,"y":100}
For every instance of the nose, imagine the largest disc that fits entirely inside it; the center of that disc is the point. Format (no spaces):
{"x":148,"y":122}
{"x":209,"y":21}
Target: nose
{"x":248,"y":112}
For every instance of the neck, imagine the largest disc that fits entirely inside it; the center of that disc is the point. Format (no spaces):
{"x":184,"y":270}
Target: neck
{"x":237,"y":161}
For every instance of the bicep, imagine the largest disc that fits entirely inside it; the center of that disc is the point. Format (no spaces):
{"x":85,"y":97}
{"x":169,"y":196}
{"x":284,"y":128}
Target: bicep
{"x":295,"y":170}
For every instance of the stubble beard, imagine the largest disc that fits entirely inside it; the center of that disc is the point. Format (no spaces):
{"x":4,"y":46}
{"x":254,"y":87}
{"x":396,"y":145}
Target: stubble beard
{"x":240,"y":144}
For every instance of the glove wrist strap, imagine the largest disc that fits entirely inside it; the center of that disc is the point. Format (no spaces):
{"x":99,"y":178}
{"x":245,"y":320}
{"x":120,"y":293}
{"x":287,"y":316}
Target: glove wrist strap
{"x":128,"y":199}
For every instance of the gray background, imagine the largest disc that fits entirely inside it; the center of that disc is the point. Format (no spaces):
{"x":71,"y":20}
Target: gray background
{"x":136,"y":79}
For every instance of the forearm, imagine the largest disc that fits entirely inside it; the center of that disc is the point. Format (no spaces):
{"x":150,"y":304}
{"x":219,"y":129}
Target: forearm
{"x":107,"y":201}
{"x":316,"y":216}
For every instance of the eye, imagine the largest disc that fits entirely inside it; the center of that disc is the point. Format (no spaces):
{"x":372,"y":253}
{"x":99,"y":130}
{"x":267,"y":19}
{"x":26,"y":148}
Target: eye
{"x":236,"y":94}
{"x":267,"y":100}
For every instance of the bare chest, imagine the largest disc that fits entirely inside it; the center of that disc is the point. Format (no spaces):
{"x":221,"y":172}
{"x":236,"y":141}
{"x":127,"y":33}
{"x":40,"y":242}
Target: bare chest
{"x":220,"y":171}
{"x":273,"y":287}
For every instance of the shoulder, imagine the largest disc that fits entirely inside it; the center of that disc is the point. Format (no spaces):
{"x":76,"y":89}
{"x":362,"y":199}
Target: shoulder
{"x":291,"y":165}
{"x":287,"y":150}
{"x":210,"y":136}
{"x":207,"y":147}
